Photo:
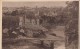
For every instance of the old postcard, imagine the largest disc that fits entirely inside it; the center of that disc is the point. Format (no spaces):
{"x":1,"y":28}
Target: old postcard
{"x":40,"y":25}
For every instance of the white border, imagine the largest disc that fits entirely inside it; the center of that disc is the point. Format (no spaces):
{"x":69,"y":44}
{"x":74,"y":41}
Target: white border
{"x":31,"y":1}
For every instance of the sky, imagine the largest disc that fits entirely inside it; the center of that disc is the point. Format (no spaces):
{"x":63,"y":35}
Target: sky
{"x":33,"y":4}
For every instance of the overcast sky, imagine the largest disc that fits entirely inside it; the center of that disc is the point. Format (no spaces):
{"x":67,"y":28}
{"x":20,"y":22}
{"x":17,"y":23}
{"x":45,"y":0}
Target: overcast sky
{"x":33,"y":4}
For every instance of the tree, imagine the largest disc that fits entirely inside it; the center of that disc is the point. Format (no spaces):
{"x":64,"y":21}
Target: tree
{"x":14,"y":13}
{"x":72,"y":14}
{"x":10,"y":21}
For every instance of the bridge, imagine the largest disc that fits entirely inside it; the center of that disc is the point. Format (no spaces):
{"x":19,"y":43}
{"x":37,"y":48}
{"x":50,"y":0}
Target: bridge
{"x":50,"y":38}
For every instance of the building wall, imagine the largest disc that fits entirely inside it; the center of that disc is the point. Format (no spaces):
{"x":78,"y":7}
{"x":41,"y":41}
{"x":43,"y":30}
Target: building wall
{"x":38,"y":21}
{"x":21,"y":21}
{"x":32,"y":21}
{"x":27,"y":21}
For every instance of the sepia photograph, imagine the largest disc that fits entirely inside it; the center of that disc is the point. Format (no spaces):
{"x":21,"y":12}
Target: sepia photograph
{"x":40,"y":25}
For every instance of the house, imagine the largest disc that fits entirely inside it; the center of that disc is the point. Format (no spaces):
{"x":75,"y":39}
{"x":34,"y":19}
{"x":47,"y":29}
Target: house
{"x":31,"y":21}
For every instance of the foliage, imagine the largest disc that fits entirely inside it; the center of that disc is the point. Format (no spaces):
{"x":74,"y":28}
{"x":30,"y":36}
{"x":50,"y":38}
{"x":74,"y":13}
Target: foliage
{"x":72,"y":13}
{"x":14,"y":13}
{"x":10,"y":21}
